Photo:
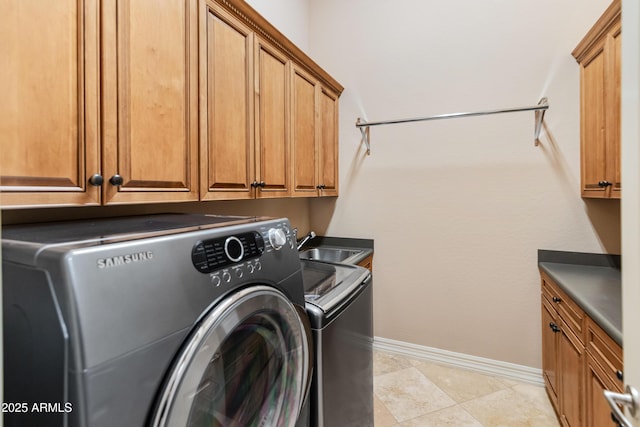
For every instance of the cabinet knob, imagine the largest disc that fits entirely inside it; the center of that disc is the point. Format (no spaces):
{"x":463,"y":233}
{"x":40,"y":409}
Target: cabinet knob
{"x":321,"y":187}
{"x":262,"y":184}
{"x":615,"y":420}
{"x":254,"y":184}
{"x":96,"y":180}
{"x":557,"y":300}
{"x":619,"y":375}
{"x":116,"y":180}
{"x":603,"y":183}
{"x":554,"y":327}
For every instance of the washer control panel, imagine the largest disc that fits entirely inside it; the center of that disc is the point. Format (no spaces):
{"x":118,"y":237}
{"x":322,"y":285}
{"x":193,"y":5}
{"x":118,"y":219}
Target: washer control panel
{"x":214,"y":254}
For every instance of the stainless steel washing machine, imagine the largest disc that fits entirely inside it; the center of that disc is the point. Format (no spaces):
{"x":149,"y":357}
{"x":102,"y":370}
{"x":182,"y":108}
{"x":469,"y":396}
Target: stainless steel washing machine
{"x":340,"y":308}
{"x":163,"y":320}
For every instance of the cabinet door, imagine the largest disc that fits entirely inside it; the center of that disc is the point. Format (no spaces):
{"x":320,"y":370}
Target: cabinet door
{"x":328,"y":144}
{"x":550,"y":335}
{"x":272,"y":133}
{"x":599,"y":55}
{"x":227,"y":131}
{"x":570,"y":369}
{"x":49,"y":111}
{"x":598,"y":411}
{"x":593,"y":125}
{"x":150,"y":97}
{"x":304,"y":134}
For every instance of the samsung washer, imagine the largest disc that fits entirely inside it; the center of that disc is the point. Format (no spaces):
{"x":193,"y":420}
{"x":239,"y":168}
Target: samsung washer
{"x":163,"y":320}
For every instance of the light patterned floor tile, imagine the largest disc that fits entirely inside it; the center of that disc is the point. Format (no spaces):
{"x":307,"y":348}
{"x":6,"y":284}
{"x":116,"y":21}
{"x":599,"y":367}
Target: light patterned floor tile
{"x":460,"y":384}
{"x":454,"y":416}
{"x":418,"y":393}
{"x":508,"y":408}
{"x":383,"y":363}
{"x":407,"y":394}
{"x":381,"y":415}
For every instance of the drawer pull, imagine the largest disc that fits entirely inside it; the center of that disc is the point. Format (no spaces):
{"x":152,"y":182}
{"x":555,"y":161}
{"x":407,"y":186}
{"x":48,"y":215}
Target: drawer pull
{"x":557,"y":300}
{"x":619,"y":375}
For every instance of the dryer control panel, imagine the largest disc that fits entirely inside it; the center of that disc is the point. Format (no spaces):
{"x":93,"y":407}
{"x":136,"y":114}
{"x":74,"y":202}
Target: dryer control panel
{"x":213,"y":254}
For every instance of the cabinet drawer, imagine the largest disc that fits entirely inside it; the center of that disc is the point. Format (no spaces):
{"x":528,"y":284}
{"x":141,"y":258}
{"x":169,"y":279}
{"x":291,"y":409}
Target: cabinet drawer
{"x":606,"y":352}
{"x":570,"y":312}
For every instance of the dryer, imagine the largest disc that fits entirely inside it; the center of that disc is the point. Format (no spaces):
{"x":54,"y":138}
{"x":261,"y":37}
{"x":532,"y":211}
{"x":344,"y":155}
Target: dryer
{"x":162,"y":320}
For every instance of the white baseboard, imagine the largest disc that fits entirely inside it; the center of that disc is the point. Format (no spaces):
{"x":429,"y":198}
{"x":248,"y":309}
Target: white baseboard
{"x":480,"y":364}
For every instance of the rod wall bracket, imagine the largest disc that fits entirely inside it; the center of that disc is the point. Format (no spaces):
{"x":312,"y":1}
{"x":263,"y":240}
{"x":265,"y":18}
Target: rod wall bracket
{"x":364,"y":130}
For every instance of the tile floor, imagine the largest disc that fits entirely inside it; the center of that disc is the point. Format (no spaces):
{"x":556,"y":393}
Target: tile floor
{"x":411,"y":393}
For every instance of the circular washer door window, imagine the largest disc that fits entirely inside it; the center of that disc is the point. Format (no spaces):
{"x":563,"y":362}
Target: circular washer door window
{"x":246,"y":364}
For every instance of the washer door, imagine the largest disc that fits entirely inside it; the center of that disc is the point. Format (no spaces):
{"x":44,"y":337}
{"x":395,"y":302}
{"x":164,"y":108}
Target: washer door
{"x":248,"y":363}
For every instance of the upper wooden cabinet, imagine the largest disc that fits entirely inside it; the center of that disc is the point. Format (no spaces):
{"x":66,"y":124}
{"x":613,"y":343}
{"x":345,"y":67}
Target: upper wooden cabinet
{"x":49,"y":115}
{"x":81,"y":131}
{"x":314,"y":111}
{"x":328,"y":143}
{"x":153,"y":101}
{"x":245,"y":139}
{"x":271,"y":113}
{"x":598,"y":55}
{"x":150,"y":101}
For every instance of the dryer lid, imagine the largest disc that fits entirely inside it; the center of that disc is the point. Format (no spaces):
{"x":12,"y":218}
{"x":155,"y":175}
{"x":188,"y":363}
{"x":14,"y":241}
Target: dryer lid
{"x":326,"y":285}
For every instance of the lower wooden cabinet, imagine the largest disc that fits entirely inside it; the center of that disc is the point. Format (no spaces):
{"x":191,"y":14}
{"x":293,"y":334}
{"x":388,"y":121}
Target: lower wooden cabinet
{"x":367,"y":263}
{"x":579,"y":361}
{"x":570,"y":372}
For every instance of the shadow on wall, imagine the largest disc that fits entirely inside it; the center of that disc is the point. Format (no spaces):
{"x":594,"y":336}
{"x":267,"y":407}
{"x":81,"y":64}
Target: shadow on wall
{"x":558,"y":161}
{"x":321,"y":213}
{"x":604,"y":215}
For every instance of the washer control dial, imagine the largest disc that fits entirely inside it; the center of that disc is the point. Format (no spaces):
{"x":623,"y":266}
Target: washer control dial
{"x":233,"y":249}
{"x":277,"y":238}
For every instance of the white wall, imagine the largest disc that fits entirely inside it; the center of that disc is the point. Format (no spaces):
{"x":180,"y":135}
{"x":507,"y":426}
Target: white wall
{"x":290,"y":17}
{"x":458,"y":208}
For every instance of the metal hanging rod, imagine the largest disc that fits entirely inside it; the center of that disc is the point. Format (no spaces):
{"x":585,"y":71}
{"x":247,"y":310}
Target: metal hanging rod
{"x":539,"y":109}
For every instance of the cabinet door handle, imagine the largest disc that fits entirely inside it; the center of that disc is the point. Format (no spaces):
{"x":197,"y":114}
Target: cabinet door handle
{"x":557,"y":300}
{"x":96,"y":180}
{"x":619,"y":375}
{"x":554,"y":327}
{"x":604,"y":183}
{"x":116,"y":180}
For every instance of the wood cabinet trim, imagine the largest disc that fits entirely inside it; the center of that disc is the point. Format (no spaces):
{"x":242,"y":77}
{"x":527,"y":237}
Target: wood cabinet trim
{"x":266,"y":30}
{"x":599,"y":30}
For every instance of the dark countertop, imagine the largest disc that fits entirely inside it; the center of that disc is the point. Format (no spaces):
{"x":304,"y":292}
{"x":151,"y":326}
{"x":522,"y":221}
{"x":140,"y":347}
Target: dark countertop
{"x":342,"y":242}
{"x":593,"y":281}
